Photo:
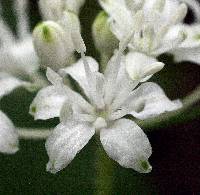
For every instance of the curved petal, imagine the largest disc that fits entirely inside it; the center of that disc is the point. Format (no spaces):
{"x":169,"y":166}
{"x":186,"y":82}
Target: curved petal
{"x":195,"y":6}
{"x":190,"y":54}
{"x":77,"y":71}
{"x":125,"y":142}
{"x":141,"y":67}
{"x":8,"y":135}
{"x":47,"y":104}
{"x":149,"y":100}
{"x":190,"y":48}
{"x":65,"y":142}
{"x":8,"y":83}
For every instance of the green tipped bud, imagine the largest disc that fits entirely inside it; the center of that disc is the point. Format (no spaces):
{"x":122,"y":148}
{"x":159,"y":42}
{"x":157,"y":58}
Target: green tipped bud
{"x":53,"y":44}
{"x":104,"y":39}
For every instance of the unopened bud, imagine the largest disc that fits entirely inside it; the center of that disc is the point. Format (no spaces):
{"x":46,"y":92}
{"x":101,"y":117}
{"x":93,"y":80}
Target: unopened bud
{"x":53,"y":45}
{"x":104,"y":39}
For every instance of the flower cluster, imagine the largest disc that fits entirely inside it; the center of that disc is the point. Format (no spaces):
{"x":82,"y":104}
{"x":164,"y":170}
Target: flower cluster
{"x":144,"y":29}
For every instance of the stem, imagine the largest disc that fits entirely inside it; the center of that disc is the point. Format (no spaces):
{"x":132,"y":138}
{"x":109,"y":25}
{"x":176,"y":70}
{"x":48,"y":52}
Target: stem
{"x":104,"y":171}
{"x":33,"y":134}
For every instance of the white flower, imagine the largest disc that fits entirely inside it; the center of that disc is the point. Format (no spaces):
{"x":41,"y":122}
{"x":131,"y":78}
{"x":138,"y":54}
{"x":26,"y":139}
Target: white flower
{"x":189,"y":50}
{"x":53,"y":9}
{"x":109,"y":98}
{"x":8,"y":135}
{"x":18,"y":60}
{"x":151,"y":21}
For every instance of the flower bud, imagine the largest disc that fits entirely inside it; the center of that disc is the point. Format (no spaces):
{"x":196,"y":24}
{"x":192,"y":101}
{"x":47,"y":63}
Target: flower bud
{"x":53,"y":45}
{"x":8,"y":135}
{"x":104,"y":39}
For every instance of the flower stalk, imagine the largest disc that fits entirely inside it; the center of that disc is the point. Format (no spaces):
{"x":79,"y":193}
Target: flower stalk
{"x":104,"y":171}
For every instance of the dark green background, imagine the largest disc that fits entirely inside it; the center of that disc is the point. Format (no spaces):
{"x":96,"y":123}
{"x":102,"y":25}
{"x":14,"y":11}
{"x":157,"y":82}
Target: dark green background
{"x":176,"y":149}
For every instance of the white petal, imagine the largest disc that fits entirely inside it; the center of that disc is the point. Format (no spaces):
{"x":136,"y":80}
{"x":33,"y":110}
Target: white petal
{"x":169,"y":7}
{"x":195,"y":6}
{"x":149,"y":100}
{"x":126,"y":143}
{"x":71,"y":23}
{"x":190,"y":48}
{"x":47,"y":104}
{"x":73,"y":97}
{"x":120,"y":17}
{"x":19,"y":59}
{"x":191,"y":55}
{"x":52,"y":9}
{"x":8,"y":135}
{"x":94,"y":84}
{"x":141,"y":67}
{"x":77,"y":71}
{"x":8,"y":83}
{"x":65,"y":142}
{"x":72,"y":111}
{"x":175,"y":36}
{"x":75,"y":5}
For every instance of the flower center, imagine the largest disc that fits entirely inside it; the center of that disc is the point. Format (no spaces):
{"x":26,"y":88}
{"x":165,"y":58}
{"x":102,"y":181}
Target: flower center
{"x":100,"y":121}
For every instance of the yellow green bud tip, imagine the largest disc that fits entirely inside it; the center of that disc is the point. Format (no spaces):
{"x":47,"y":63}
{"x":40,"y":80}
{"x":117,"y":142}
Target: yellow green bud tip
{"x":46,"y":32}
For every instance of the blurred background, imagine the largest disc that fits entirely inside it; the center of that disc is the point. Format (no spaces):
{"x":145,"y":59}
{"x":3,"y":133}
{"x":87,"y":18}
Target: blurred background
{"x":176,"y":149}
